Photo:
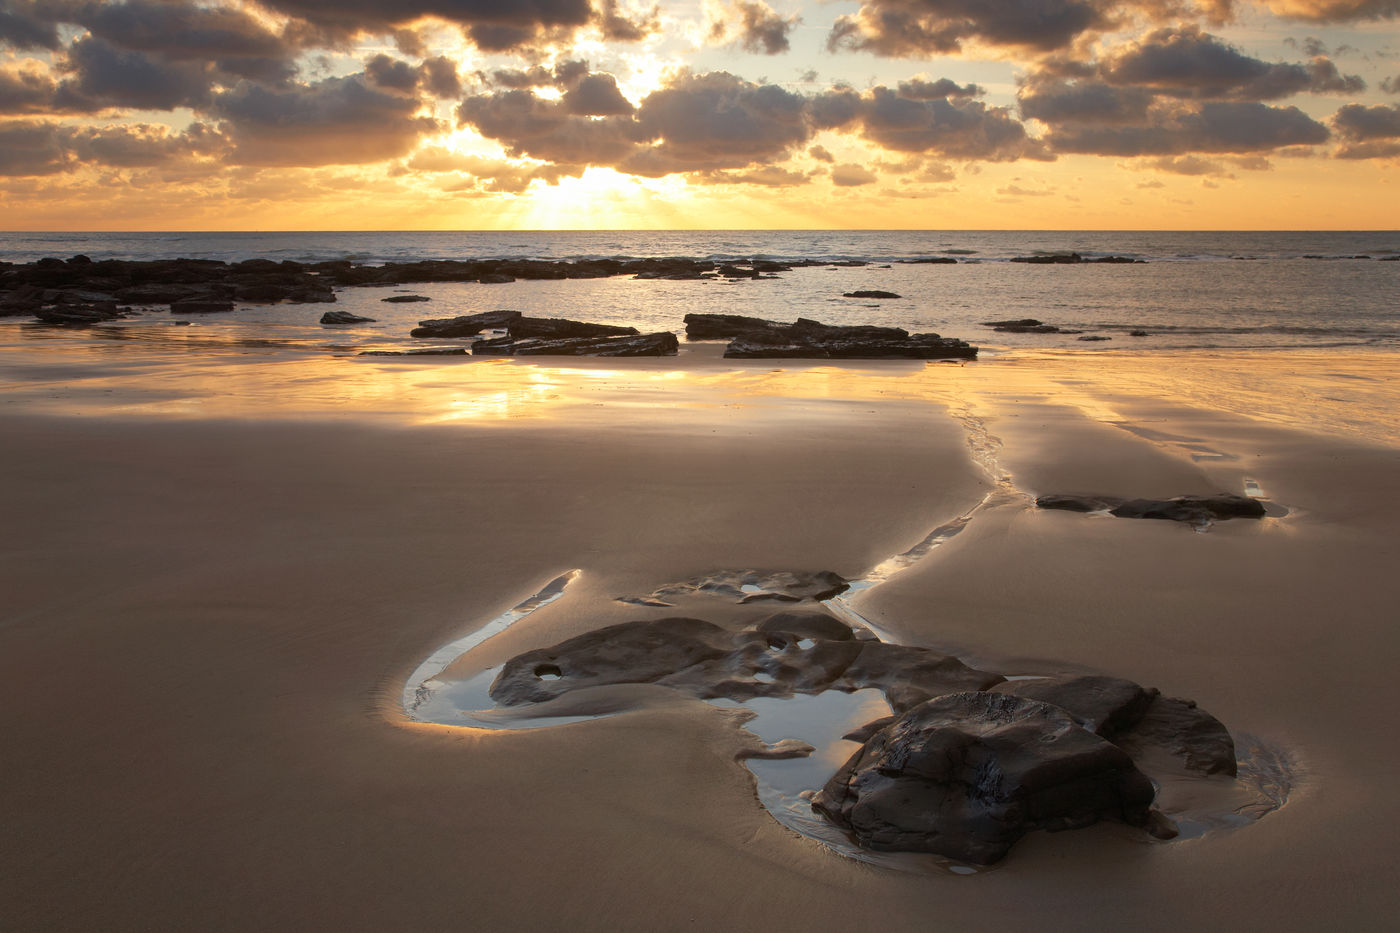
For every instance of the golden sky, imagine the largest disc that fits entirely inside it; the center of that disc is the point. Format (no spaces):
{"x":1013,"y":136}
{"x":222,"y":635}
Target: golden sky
{"x":590,"y":114}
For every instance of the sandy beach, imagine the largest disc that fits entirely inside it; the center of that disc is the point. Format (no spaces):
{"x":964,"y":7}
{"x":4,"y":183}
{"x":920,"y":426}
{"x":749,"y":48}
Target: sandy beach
{"x":219,"y":572}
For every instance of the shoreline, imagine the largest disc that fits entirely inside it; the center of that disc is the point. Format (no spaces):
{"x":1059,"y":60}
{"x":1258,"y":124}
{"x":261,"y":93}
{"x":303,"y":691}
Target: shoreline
{"x":223,"y":572}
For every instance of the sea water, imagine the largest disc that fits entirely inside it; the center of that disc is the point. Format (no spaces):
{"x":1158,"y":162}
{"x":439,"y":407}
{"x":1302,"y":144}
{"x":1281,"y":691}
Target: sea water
{"x":1253,"y":290}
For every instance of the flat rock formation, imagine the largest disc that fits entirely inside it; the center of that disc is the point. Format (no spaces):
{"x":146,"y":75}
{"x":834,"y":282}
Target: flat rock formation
{"x":758,"y":338}
{"x":405,"y":299}
{"x":427,"y":351}
{"x":1194,"y":510}
{"x":659,"y":344}
{"x":870,"y":293}
{"x":559,"y":327}
{"x":466,"y":325}
{"x":1074,"y":258}
{"x":1027,"y":325}
{"x":969,"y":763}
{"x":81,"y":315}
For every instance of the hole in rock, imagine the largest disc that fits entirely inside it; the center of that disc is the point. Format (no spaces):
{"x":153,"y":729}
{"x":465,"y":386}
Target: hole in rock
{"x":548,"y":672}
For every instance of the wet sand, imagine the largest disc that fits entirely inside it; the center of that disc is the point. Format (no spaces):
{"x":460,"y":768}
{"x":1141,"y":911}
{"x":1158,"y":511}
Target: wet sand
{"x":219,"y":574}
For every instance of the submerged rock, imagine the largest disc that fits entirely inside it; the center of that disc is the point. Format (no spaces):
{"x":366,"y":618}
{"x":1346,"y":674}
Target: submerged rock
{"x":870,"y":293}
{"x":345,"y":317}
{"x":965,"y":775}
{"x":1027,"y":325}
{"x":405,"y":299}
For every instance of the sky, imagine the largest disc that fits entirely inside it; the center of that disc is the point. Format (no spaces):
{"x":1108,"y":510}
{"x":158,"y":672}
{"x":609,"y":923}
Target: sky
{"x":699,"y":114}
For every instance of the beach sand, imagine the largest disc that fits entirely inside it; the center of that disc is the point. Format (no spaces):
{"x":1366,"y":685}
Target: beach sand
{"x":218,"y":574}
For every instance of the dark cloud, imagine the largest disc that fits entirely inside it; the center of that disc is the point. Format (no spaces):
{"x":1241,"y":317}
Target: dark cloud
{"x":382,"y":16}
{"x":1216,"y":127}
{"x":921,"y":88}
{"x":337,"y":121}
{"x":1186,"y":61}
{"x":30,"y":147}
{"x":1359,"y":123}
{"x":619,"y":27}
{"x":596,"y":95}
{"x":102,"y":75}
{"x":24,"y":26}
{"x":438,"y":76}
{"x":391,"y":74}
{"x":955,"y":129}
{"x":1059,"y":101}
{"x":528,"y":125}
{"x":821,"y":154}
{"x":754,"y":26}
{"x":1391,"y":85}
{"x":916,"y":28}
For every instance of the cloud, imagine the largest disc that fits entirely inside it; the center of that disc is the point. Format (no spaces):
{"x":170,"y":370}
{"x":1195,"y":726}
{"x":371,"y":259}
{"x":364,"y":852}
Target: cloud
{"x":752,"y":25}
{"x":921,"y":88}
{"x":768,"y":176}
{"x":336,"y":121}
{"x":596,"y":95}
{"x":32,"y":147}
{"x":1093,"y":102}
{"x":1335,"y":11}
{"x":1391,"y":85}
{"x":22,"y":26}
{"x":26,"y":88}
{"x":1368,"y":132}
{"x":850,"y":175}
{"x":619,"y":27}
{"x":917,"y":28}
{"x":103,"y":75}
{"x":1216,"y":127}
{"x":1186,"y":61}
{"x":500,"y":175}
{"x":821,"y":154}
{"x":949,"y":128}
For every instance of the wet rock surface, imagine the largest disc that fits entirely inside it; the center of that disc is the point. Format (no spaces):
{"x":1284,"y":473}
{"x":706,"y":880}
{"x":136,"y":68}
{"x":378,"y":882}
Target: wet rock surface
{"x":870,"y":293}
{"x":466,"y":325}
{"x":748,"y":586}
{"x":965,"y":775}
{"x":969,"y":763}
{"x":345,"y":317}
{"x":1027,"y":325}
{"x":560,"y":327}
{"x":1194,"y":510}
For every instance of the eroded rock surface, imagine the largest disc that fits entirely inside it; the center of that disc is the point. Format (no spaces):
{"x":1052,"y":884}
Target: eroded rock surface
{"x":465,"y":325}
{"x":748,"y":586}
{"x":659,"y":344}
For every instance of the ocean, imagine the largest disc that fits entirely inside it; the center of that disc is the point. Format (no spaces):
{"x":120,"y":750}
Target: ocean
{"x":1192,"y":290}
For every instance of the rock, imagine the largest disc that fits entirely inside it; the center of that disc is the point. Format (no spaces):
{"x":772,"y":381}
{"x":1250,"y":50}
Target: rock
{"x":812,"y":340}
{"x":468,"y":325}
{"x":909,"y":675}
{"x":660,"y":344}
{"x":1105,"y":706}
{"x":201,"y":306}
{"x":80,"y":315}
{"x":1138,"y":333}
{"x":870,"y":293}
{"x":311,"y":294}
{"x":1182,"y":729}
{"x":750,"y":586}
{"x":725,"y":326}
{"x":1023,"y":326}
{"x":155,"y":294}
{"x":495,"y":278}
{"x":1195,"y":510}
{"x":345,"y":317}
{"x":1052,"y":259}
{"x":1094,"y":337}
{"x":559,"y":327}
{"x":264,"y":293}
{"x":405,"y":299}
{"x":933,"y":260}
{"x":967,"y":774}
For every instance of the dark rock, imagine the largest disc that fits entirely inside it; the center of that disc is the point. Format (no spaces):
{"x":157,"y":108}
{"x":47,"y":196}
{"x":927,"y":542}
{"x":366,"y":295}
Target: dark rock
{"x":559,"y":327}
{"x":345,"y":317}
{"x":495,"y":278}
{"x":1105,"y":706}
{"x":812,"y":340}
{"x":264,"y":293}
{"x":967,"y":774}
{"x":468,"y":325}
{"x":1119,"y":260}
{"x":1196,"y":510}
{"x":1052,"y":259}
{"x":933,"y":260}
{"x":201,"y":306}
{"x":311,"y":294}
{"x":870,"y":293}
{"x":80,"y":315}
{"x":405,"y":299}
{"x":156,"y":294}
{"x":749,"y":586}
{"x":725,"y":326}
{"x":1138,"y":333}
{"x":1024,"y":326}
{"x":910,"y":675}
{"x":660,"y":344}
{"x":1094,"y":337}
{"x":1185,"y":730}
